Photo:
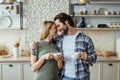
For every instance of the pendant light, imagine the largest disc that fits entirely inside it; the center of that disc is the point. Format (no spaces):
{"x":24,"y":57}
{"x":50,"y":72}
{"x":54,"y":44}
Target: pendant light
{"x":84,"y":2}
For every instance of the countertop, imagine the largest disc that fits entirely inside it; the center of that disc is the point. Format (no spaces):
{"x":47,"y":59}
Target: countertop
{"x":15,"y":60}
{"x":27,"y":59}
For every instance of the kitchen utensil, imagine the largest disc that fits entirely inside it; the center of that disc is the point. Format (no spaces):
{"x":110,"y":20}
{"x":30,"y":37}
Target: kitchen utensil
{"x":19,"y":40}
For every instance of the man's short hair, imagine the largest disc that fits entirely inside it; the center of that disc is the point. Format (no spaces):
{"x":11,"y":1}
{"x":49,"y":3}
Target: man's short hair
{"x":63,"y":17}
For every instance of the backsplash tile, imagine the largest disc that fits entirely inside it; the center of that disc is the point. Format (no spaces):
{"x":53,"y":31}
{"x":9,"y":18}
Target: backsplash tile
{"x":39,"y":11}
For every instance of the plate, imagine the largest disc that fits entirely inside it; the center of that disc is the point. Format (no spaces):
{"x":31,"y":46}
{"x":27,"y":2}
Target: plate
{"x":6,"y":21}
{"x":101,"y":11}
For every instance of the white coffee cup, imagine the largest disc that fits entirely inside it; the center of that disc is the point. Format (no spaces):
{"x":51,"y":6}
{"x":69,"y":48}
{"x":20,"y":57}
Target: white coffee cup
{"x":59,"y":33}
{"x":57,"y":54}
{"x":75,"y":55}
{"x":16,"y":51}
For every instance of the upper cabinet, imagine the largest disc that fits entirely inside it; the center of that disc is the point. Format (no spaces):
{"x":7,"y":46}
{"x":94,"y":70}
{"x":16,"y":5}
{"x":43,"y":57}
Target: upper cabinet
{"x":96,"y":14}
{"x":11,"y":14}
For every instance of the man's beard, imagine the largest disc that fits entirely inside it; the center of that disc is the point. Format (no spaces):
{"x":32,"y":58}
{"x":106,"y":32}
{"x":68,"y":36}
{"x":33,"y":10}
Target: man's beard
{"x":66,"y":31}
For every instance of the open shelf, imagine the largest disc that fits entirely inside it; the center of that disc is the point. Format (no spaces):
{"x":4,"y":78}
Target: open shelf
{"x":98,"y":2}
{"x":112,"y":16}
{"x":99,"y":29}
{"x":10,"y":15}
{"x":105,"y":2}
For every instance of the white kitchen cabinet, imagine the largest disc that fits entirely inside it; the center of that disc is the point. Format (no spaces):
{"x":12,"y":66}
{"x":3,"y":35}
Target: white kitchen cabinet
{"x":95,"y":71}
{"x":10,"y":71}
{"x":110,"y":71}
{"x":28,"y":74}
{"x":0,"y":73}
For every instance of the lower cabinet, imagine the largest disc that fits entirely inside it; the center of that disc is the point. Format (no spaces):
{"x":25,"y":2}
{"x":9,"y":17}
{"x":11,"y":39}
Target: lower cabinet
{"x":0,"y":73}
{"x":110,"y":71}
{"x":95,"y":71}
{"x":16,"y":71}
{"x":105,"y":71}
{"x":22,"y":71}
{"x":28,"y":74}
{"x":10,"y":71}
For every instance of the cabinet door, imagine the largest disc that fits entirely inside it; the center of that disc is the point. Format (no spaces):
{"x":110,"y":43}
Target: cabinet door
{"x":110,"y":71}
{"x":11,"y":71}
{"x":28,"y":73}
{"x":0,"y":73}
{"x":95,"y":71}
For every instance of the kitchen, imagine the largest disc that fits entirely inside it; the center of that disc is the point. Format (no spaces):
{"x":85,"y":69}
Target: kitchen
{"x":37,"y":11}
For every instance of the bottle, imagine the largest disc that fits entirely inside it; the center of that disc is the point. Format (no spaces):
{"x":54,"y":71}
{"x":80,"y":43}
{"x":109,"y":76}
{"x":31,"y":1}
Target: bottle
{"x":83,"y":24}
{"x":16,"y":8}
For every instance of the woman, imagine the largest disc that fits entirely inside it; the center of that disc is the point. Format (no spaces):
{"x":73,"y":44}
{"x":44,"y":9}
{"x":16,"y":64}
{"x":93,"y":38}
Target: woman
{"x":43,"y":61}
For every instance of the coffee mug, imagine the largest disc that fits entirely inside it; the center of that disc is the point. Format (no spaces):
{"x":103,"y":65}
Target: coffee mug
{"x":16,"y":52}
{"x":75,"y":55}
{"x":57,"y":54}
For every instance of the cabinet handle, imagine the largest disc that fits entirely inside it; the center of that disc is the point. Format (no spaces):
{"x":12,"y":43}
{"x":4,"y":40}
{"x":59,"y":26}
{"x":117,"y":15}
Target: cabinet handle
{"x":91,"y":65}
{"x":10,"y":65}
{"x":30,"y":65}
{"x":110,"y":64}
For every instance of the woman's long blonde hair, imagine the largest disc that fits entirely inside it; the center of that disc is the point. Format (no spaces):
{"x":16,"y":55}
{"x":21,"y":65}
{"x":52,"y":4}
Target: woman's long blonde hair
{"x":44,"y":32}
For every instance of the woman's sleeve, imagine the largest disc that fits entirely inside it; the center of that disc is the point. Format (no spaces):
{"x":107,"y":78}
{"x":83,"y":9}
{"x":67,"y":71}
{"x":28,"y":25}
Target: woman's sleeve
{"x":34,"y":51}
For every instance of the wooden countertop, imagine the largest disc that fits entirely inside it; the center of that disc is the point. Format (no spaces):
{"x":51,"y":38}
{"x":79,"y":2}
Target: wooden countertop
{"x":15,"y":60}
{"x":27,"y":59}
{"x":108,"y":59}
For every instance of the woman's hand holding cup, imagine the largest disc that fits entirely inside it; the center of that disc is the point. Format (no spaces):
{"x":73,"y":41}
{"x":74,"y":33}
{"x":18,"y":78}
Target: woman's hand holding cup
{"x":48,"y":56}
{"x":58,"y":56}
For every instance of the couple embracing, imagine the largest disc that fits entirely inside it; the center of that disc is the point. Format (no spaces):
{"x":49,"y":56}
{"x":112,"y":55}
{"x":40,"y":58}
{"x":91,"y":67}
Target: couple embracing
{"x":52,"y":59}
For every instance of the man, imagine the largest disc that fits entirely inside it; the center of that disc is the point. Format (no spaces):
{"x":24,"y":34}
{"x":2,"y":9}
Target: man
{"x":71,"y":43}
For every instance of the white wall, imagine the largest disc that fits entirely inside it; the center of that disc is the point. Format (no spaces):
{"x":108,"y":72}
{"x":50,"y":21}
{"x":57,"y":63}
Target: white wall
{"x":103,"y":40}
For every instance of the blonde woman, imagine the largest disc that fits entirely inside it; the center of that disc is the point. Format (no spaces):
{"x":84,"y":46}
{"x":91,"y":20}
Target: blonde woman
{"x":43,"y":60}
